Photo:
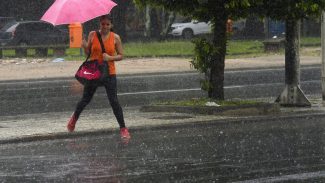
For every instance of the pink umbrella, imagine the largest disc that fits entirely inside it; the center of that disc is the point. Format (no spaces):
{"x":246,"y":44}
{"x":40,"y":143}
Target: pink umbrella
{"x":71,"y":11}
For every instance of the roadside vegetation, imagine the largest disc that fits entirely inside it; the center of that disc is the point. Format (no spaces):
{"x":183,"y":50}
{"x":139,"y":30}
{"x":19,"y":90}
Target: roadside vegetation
{"x":181,"y":48}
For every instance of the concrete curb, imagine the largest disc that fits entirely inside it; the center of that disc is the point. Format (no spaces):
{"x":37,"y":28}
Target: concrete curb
{"x":240,"y":110}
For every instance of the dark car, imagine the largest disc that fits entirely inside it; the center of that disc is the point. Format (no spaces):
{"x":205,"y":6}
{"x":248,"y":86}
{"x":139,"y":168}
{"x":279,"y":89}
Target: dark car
{"x":32,"y":33}
{"x":4,"y":21}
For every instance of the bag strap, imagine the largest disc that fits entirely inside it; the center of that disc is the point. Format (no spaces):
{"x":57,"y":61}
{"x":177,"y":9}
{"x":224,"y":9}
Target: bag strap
{"x":101,"y":44}
{"x":88,"y":55}
{"x":101,"y":41}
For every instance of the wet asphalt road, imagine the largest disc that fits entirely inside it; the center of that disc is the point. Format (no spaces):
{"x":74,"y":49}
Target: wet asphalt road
{"x":38,"y":96}
{"x":253,"y":150}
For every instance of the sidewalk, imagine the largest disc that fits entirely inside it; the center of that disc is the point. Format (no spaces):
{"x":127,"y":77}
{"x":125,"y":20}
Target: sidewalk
{"x":35,"y":126}
{"x":30,"y":127}
{"x":51,"y":125}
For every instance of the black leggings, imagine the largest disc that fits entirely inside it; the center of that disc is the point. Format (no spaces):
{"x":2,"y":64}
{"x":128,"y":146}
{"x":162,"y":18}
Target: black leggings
{"x":111,"y":91}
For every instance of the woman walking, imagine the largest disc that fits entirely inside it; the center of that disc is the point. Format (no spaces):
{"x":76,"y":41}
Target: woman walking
{"x":114,"y":52}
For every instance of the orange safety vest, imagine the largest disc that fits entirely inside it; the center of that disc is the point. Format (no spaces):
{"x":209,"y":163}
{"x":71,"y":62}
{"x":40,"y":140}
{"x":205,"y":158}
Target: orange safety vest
{"x":96,"y":51}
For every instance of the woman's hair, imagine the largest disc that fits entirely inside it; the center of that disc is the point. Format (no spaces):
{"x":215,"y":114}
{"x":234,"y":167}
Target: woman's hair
{"x":107,"y":16}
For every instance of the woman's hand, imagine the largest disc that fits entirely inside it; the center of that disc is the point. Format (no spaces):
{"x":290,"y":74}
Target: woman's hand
{"x":107,"y":57}
{"x":84,"y":43}
{"x":119,"y":51}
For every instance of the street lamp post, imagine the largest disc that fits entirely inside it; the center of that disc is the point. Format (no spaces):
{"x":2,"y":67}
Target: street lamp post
{"x":292,"y":95}
{"x":323,"y":55}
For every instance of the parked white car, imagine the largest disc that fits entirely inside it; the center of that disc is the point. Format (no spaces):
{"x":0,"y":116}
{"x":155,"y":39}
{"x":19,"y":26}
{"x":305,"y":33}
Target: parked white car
{"x":189,"y":29}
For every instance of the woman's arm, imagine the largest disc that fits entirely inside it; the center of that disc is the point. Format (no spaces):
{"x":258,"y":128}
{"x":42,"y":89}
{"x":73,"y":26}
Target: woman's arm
{"x":87,"y":44}
{"x":118,"y":48}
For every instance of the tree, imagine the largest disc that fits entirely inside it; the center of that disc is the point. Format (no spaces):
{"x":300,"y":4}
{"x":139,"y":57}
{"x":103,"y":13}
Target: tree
{"x":152,"y":23}
{"x":211,"y":58}
{"x":291,"y":11}
{"x":157,"y":21}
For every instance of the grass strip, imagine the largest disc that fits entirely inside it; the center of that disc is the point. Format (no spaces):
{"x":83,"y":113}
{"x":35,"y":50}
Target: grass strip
{"x":177,"y":48}
{"x":204,"y":101}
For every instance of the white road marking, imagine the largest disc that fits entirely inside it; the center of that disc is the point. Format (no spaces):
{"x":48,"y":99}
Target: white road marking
{"x":301,"y":176}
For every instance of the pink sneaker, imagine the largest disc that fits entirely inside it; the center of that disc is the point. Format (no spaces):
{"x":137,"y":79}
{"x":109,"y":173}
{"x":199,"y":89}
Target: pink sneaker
{"x":125,"y":133}
{"x":72,"y":123}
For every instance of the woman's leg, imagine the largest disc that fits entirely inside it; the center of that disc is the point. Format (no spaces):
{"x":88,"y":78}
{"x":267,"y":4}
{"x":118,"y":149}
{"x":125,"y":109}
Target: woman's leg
{"x":88,"y":93}
{"x":111,"y":91}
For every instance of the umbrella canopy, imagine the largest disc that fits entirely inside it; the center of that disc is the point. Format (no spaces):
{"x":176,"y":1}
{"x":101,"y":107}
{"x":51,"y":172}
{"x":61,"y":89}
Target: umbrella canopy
{"x":71,"y":11}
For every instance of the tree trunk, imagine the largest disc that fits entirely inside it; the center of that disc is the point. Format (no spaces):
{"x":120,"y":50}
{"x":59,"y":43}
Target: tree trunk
{"x":155,"y":25}
{"x":152,"y":24}
{"x":292,"y":94}
{"x":216,"y":79}
{"x":170,"y":20}
{"x":147,"y":32}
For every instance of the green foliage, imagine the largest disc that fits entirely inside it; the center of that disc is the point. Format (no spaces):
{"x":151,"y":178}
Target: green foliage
{"x":202,"y":9}
{"x":202,"y":61}
{"x":202,"y":55}
{"x":290,"y":9}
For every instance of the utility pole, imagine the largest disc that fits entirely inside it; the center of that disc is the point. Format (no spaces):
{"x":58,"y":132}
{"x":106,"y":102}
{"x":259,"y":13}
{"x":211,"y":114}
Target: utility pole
{"x":323,"y":55}
{"x":292,"y":94}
